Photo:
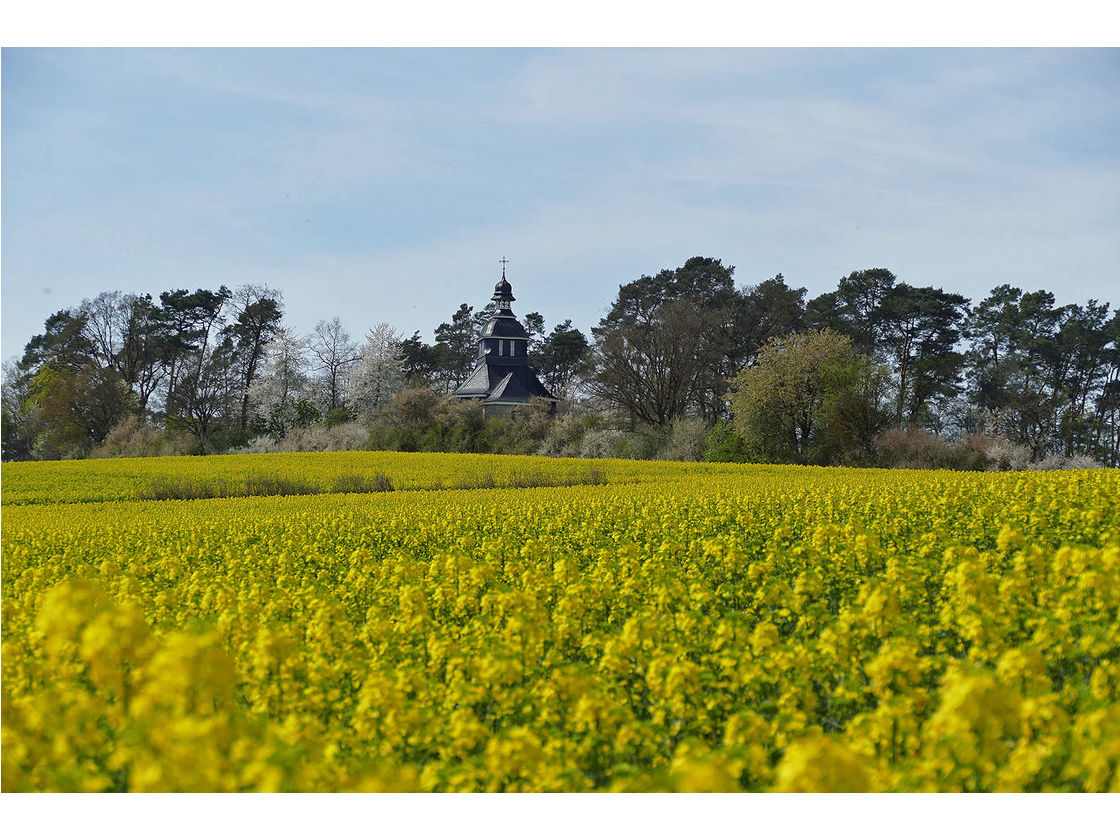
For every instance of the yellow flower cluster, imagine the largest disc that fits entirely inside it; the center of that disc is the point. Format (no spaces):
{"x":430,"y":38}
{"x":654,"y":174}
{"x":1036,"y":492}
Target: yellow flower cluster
{"x":686,"y":627}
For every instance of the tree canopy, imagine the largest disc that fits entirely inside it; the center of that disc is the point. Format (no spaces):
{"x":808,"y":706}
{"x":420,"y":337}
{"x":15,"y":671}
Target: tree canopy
{"x":805,"y":380}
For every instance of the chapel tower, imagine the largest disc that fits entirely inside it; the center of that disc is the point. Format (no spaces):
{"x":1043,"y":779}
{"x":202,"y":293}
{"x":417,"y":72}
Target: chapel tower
{"x":501,"y":377}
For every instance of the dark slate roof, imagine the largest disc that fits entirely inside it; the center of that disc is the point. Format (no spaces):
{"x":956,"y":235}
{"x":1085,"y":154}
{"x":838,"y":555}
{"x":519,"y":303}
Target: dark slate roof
{"x":477,"y":384}
{"x":498,"y":382}
{"x":504,"y":328}
{"x":518,"y":385}
{"x":502,"y":387}
{"x":503,"y":290}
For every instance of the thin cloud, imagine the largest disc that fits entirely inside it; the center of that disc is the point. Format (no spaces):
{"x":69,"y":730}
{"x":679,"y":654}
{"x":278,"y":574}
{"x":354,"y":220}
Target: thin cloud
{"x":342,"y":177}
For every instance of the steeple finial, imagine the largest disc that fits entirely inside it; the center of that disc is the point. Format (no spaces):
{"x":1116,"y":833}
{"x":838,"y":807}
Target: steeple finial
{"x":503,"y":292}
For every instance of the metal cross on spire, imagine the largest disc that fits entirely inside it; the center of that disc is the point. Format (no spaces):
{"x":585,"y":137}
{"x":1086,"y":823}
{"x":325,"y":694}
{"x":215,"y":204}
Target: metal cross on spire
{"x":503,"y":261}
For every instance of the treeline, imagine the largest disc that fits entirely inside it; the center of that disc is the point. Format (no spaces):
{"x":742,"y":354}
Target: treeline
{"x":210,"y":371}
{"x":875,"y":372}
{"x":684,"y":365}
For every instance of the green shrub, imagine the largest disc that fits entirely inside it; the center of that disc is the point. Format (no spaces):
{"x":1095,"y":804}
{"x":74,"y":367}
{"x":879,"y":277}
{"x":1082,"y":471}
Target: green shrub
{"x":336,"y":417}
{"x":724,"y":444}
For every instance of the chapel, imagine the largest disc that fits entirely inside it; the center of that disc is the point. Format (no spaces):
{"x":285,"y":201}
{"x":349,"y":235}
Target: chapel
{"x":501,"y":378}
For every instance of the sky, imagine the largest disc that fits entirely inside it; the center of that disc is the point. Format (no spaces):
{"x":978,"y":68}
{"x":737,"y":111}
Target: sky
{"x":386,"y":184}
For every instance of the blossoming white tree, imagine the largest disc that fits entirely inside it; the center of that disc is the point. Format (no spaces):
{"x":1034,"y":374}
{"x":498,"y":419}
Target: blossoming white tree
{"x":379,"y":374}
{"x":283,"y":383}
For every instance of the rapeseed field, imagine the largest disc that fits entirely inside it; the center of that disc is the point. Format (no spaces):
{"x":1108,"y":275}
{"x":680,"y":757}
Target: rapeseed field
{"x":681,"y":627}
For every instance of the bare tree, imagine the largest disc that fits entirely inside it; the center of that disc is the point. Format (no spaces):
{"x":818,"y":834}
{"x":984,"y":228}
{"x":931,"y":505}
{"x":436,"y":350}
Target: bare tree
{"x":650,"y":369}
{"x":123,"y":333}
{"x":105,"y":318}
{"x":336,"y":354}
